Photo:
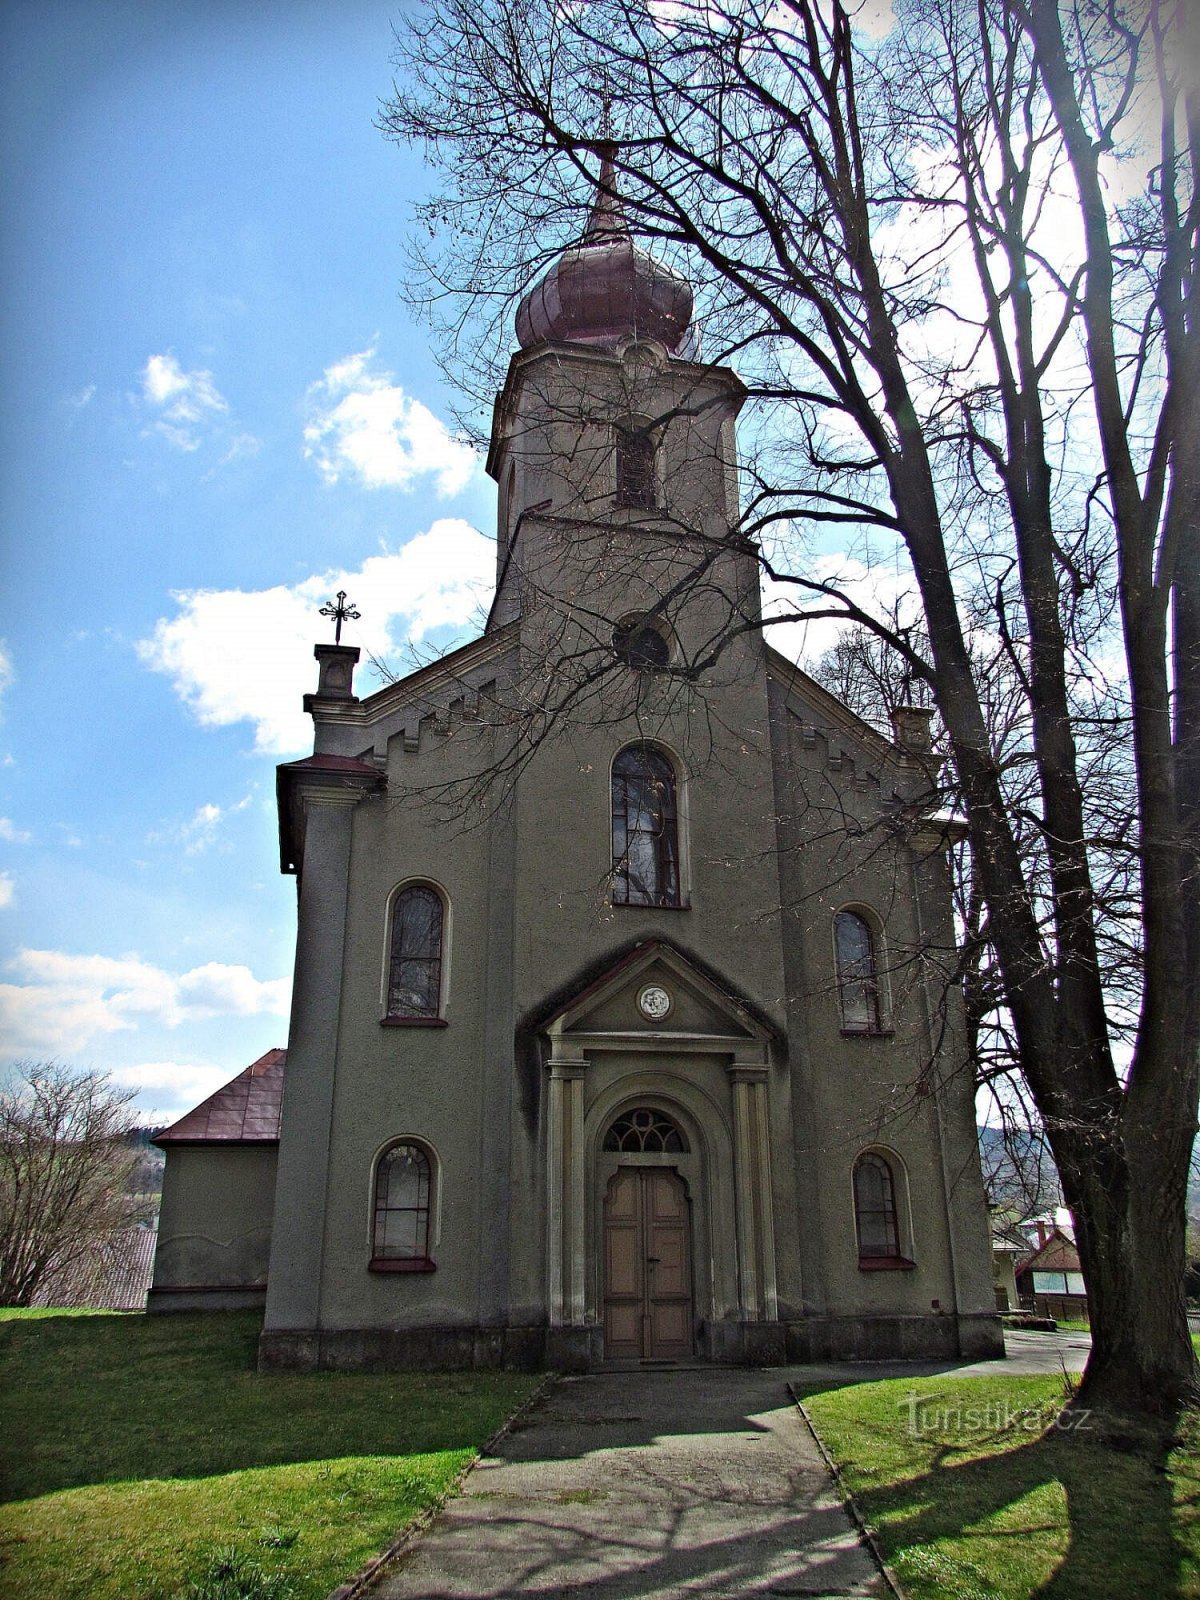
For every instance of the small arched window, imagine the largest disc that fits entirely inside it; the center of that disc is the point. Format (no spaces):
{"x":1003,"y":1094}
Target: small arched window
{"x":875,"y":1215}
{"x":415,"y":964}
{"x":641,"y":642}
{"x":645,"y":829}
{"x":857,"y":973}
{"x":403,"y":1204}
{"x":636,"y":486}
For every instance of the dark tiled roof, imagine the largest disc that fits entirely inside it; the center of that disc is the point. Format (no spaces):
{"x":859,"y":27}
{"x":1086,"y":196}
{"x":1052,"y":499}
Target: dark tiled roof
{"x":115,"y":1277}
{"x":245,"y":1111}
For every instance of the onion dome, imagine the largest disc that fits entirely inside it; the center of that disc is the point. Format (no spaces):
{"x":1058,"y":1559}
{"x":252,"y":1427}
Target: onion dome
{"x":605,"y":288}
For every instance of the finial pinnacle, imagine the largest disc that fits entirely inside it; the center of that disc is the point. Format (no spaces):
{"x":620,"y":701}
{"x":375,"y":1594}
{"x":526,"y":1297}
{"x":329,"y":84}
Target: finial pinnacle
{"x":607,"y":219}
{"x":341,"y":612}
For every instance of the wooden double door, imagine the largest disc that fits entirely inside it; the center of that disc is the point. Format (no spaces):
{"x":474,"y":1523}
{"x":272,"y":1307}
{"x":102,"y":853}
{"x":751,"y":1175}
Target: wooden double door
{"x":647,"y":1265}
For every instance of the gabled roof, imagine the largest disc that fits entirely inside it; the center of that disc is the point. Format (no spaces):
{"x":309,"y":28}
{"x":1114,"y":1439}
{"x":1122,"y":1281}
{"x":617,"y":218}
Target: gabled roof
{"x":1058,"y":1254}
{"x":567,"y":1009}
{"x":840,"y":716}
{"x":245,"y":1111}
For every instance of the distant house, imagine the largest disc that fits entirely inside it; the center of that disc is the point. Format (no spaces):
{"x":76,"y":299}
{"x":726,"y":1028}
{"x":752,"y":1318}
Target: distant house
{"x":1050,"y":1281}
{"x":1009,"y":1246}
{"x":214,"y":1228}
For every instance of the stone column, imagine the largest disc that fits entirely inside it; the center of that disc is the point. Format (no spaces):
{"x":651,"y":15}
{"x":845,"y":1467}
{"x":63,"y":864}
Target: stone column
{"x":757,"y":1292}
{"x":566,"y":1195}
{"x":298,"y":1232}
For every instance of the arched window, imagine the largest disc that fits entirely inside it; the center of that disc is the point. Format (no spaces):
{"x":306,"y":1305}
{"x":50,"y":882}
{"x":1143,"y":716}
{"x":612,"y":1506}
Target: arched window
{"x":858,"y":977}
{"x":641,"y":642}
{"x":415,"y":964}
{"x":645,"y":829}
{"x":636,"y":487}
{"x":645,"y":1129}
{"x":875,"y":1209}
{"x":403,"y":1203}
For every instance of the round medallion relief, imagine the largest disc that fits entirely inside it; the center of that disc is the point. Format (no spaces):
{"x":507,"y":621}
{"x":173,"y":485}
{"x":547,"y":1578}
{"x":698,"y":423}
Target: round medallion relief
{"x":654,"y":1002}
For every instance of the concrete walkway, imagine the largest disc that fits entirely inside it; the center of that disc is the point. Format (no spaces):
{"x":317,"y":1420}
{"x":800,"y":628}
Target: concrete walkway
{"x":654,"y":1484}
{"x":645,"y":1485}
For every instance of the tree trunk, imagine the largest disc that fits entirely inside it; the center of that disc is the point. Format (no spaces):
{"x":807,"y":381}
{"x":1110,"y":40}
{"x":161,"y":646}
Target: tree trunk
{"x":1126,"y":1193}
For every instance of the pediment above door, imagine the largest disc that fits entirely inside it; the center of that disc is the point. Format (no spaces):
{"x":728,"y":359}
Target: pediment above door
{"x":654,"y":997}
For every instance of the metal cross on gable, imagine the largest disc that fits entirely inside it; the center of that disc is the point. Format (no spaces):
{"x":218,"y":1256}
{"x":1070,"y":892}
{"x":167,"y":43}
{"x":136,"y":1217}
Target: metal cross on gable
{"x":341,"y":612}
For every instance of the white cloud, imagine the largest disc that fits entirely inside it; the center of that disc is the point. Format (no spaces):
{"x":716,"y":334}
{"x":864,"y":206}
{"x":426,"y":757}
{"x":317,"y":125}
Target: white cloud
{"x":201,"y":828}
{"x":241,"y":448}
{"x":172,"y":1087}
{"x":882,"y":592}
{"x":363,"y":426}
{"x":185,"y":404}
{"x":11,"y":833}
{"x":8,"y":888}
{"x":7,"y":674}
{"x":82,"y":398}
{"x":67,"y":1000}
{"x":237,"y":655}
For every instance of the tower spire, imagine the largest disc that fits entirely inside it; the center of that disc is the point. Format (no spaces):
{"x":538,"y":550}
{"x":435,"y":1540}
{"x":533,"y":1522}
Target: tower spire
{"x":607,"y":220}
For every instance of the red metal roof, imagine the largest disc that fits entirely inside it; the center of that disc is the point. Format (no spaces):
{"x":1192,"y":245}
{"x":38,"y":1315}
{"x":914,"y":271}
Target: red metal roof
{"x":327,"y":763}
{"x":245,"y":1111}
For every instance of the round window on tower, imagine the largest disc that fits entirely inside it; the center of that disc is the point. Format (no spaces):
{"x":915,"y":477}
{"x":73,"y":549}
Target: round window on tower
{"x":642,"y":642}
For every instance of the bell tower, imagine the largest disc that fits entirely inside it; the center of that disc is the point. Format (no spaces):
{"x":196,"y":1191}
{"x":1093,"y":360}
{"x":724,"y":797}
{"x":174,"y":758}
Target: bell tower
{"x":612,"y":444}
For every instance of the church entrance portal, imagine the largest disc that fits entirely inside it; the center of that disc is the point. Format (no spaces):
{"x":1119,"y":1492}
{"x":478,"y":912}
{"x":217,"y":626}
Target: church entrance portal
{"x":647,"y":1265}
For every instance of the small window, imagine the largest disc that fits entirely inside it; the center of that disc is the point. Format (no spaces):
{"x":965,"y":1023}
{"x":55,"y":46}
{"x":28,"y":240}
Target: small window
{"x":641,"y":642}
{"x":858,"y":977}
{"x":875,"y":1211}
{"x":645,"y":1130}
{"x":645,"y":830}
{"x":403,"y":1201}
{"x":415,"y":968}
{"x":636,"y":452}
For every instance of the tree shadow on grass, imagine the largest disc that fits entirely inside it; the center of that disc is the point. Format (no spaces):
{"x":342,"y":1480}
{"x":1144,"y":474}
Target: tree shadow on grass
{"x":1122,"y":1528}
{"x":113,"y":1398}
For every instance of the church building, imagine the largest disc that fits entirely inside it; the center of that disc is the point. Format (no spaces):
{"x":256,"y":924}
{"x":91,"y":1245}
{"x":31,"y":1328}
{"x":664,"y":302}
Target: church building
{"x":624,"y":1025}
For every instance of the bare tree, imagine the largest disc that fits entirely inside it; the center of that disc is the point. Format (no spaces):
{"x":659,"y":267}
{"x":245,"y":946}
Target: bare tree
{"x":65,"y":1162}
{"x":956,"y":262}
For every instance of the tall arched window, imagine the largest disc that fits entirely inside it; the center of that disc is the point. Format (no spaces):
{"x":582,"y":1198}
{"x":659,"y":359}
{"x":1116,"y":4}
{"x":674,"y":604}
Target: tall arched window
{"x":403,"y":1203}
{"x":645,"y":829}
{"x":857,"y":974}
{"x":415,"y":964}
{"x":875,"y":1209}
{"x":636,"y":486}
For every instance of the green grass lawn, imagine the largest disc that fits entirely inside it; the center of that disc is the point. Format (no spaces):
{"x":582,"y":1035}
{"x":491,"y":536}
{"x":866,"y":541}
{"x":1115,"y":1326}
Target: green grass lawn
{"x":975,"y":1497}
{"x":143,"y":1458}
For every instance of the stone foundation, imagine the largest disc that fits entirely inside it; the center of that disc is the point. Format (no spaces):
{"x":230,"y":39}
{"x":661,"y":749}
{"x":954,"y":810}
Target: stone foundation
{"x":207,"y":1297}
{"x":533,"y":1349}
{"x":895,"y":1338}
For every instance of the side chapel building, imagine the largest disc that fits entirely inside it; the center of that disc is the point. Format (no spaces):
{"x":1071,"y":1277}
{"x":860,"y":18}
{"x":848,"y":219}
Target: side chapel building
{"x":648,"y":1047}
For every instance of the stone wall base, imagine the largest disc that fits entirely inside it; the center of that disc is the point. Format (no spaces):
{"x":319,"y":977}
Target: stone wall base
{"x":532,"y":1349}
{"x":417,"y":1349}
{"x":895,"y":1338}
{"x":207,"y":1297}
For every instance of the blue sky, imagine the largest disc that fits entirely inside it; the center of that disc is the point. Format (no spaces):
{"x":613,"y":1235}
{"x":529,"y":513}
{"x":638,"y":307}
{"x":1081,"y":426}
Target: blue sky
{"x":217,"y":412}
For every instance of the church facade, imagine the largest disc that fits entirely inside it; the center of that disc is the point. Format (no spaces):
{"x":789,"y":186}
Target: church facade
{"x":624,"y":1025}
